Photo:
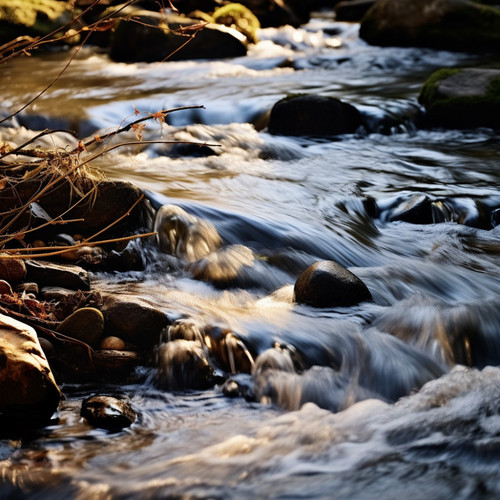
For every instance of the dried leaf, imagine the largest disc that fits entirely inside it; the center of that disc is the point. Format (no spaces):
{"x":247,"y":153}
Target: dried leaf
{"x":33,"y":173}
{"x":138,"y":128}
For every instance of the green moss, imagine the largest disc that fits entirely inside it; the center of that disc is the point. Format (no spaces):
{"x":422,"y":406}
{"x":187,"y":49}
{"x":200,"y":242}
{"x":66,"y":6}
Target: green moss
{"x":26,"y":12}
{"x":461,"y":111}
{"x":429,"y":92}
{"x":239,"y":17}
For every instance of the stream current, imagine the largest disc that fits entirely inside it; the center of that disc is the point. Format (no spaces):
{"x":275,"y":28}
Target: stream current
{"x":386,"y":407}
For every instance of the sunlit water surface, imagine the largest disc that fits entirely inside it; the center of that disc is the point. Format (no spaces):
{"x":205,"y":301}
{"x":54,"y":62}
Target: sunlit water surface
{"x":353,"y":424}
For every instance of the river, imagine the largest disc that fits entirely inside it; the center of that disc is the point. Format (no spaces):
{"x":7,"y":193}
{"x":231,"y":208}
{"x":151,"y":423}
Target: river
{"x":386,"y":407}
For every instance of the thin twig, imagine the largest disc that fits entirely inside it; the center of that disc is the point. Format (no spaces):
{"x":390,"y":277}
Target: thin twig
{"x":126,"y":128}
{"x":18,"y":253}
{"x":32,"y":140}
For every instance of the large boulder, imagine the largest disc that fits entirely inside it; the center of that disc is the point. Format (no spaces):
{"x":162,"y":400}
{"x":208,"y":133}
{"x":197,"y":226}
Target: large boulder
{"x":462,"y":98}
{"x":313,"y":115}
{"x":150,"y":36}
{"x":32,"y":17}
{"x":460,"y":25}
{"x":329,"y":284}
{"x":27,"y":386}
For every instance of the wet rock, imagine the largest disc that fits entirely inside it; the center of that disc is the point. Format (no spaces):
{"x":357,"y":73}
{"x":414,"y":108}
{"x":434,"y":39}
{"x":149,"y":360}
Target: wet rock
{"x":273,"y":359}
{"x":313,"y":115}
{"x":183,"y":364}
{"x":184,"y":329}
{"x":133,"y":320}
{"x":114,"y":365}
{"x":462,"y":98}
{"x":229,"y":351}
{"x":328,"y":284}
{"x":442,"y":24}
{"x":32,"y":18}
{"x":112,"y":343}
{"x":27,"y":386}
{"x":146,"y":41}
{"x":65,"y":276}
{"x":5,"y":288}
{"x":417,"y":210}
{"x":108,"y":412}
{"x":352,"y":11}
{"x":240,"y":385}
{"x":86,"y":324}
{"x":131,"y":258}
{"x":12,"y":270}
{"x":183,"y":235}
{"x":223,"y":268}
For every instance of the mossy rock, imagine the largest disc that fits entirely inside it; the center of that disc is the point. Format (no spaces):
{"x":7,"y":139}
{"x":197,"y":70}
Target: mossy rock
{"x":459,"y":25}
{"x":462,"y":98}
{"x":239,"y":17}
{"x":32,"y":17}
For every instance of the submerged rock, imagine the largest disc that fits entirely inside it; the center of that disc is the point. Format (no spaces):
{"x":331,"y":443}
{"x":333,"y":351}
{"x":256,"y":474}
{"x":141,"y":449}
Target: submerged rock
{"x":328,"y":284}
{"x":28,"y":390}
{"x":184,"y":329}
{"x":155,"y":37}
{"x":462,"y":98}
{"x":183,"y":235}
{"x":183,"y":364}
{"x":225,"y":267}
{"x":416,"y":209}
{"x":108,"y":412}
{"x":313,"y":115}
{"x":459,"y":25}
{"x":229,"y":351}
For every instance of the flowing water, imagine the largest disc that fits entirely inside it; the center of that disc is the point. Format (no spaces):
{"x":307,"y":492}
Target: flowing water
{"x":384,"y":405}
